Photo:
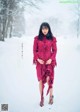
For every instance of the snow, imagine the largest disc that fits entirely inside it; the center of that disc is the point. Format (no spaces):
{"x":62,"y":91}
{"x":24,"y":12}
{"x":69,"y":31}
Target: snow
{"x":18,"y":81}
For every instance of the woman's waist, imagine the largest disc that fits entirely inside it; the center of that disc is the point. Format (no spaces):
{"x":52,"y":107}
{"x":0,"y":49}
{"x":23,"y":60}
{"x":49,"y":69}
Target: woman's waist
{"x":44,"y":51}
{"x":44,"y":56}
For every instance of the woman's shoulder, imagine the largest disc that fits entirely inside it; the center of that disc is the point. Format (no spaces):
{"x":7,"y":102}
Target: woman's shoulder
{"x":36,"y":37}
{"x":54,"y":39}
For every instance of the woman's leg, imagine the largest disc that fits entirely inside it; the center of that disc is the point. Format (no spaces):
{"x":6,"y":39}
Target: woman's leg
{"x":40,"y":87}
{"x":51,"y":89}
{"x":47,"y":79}
{"x":51,"y":96}
{"x":41,"y":93}
{"x":51,"y":92}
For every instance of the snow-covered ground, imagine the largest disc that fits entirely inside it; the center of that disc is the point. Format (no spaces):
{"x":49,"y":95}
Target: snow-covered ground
{"x":18,"y":80}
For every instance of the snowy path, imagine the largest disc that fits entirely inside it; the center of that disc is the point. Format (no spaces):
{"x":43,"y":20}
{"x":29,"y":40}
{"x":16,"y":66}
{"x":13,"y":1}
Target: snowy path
{"x":18,"y":81}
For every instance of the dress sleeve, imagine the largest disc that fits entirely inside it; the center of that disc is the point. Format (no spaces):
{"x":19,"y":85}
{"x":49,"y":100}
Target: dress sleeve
{"x":35,"y":50}
{"x":54,"y":49}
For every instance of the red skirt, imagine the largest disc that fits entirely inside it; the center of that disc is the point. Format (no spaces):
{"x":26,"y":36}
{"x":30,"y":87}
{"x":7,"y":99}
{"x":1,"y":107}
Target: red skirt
{"x":43,"y":71}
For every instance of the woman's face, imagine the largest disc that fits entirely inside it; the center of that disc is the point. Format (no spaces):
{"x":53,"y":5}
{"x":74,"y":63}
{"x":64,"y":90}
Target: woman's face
{"x":45,"y":30}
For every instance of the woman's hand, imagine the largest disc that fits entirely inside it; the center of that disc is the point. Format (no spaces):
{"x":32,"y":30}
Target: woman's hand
{"x":49,"y":61}
{"x":40,"y":61}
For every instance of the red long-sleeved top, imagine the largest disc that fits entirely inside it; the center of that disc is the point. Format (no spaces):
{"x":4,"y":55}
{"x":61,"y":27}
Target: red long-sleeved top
{"x":45,"y":49}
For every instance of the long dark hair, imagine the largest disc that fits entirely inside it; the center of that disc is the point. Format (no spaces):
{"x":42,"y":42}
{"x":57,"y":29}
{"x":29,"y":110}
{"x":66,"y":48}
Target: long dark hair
{"x":49,"y":36}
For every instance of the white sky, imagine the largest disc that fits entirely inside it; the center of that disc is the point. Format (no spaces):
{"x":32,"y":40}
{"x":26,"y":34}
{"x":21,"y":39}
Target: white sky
{"x":53,"y":8}
{"x":64,"y":13}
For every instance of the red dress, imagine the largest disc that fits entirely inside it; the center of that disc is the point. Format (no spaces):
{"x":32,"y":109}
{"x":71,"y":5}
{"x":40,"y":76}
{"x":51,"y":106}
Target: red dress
{"x":45,"y":49}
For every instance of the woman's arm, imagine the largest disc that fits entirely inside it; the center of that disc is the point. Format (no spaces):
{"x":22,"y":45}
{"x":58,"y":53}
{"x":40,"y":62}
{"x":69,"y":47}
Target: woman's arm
{"x":53,"y":53}
{"x":35,"y":50}
{"x":54,"y":49}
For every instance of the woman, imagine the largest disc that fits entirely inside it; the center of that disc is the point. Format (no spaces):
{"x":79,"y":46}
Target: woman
{"x":44,"y":56}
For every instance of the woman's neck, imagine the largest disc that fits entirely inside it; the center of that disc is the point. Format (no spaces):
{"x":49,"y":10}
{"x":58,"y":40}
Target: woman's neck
{"x":44,"y":36}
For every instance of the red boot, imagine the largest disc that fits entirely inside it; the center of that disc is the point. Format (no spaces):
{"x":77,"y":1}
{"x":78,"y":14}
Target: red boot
{"x":42,"y":101}
{"x":51,"y":99}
